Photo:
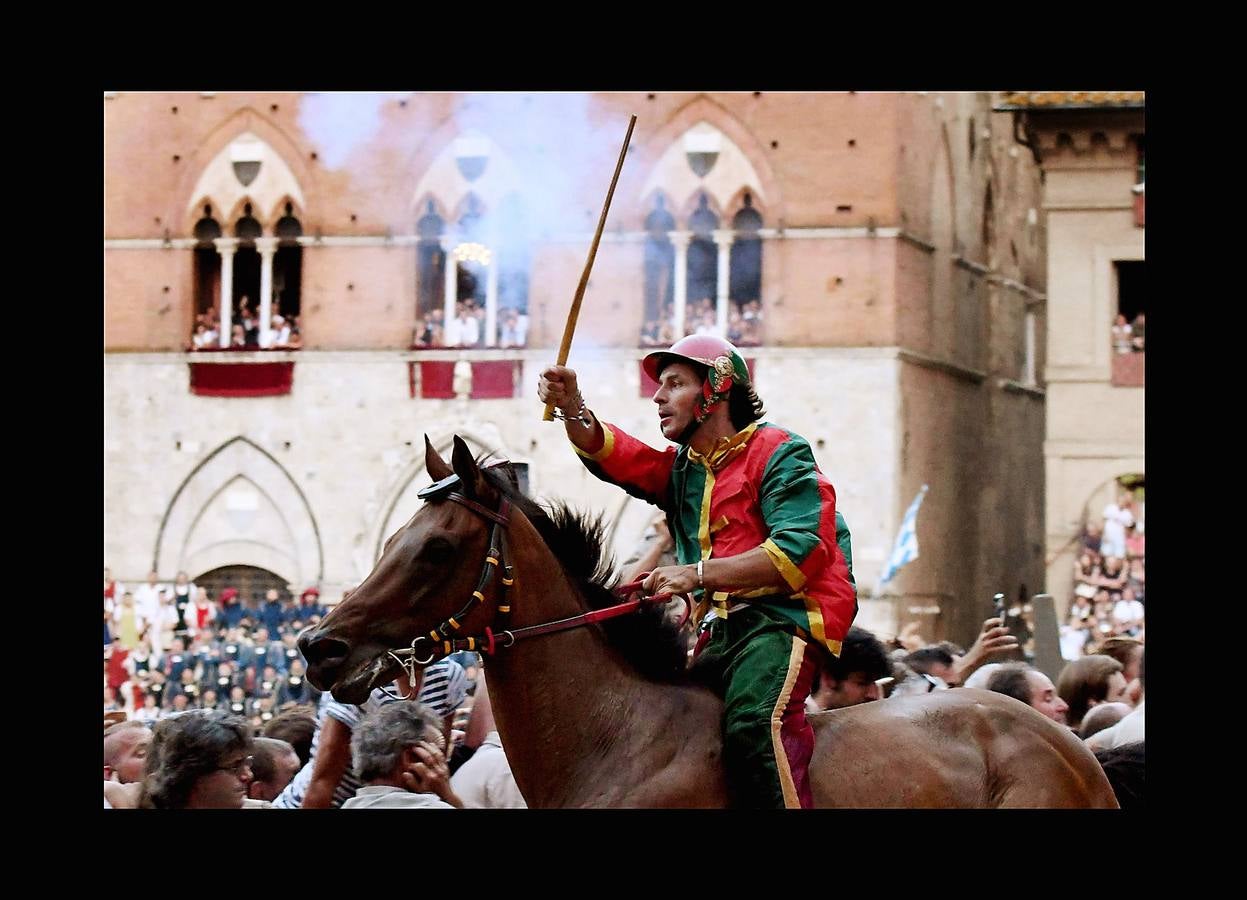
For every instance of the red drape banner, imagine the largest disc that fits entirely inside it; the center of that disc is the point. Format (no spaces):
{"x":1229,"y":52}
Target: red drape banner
{"x":214,"y":379}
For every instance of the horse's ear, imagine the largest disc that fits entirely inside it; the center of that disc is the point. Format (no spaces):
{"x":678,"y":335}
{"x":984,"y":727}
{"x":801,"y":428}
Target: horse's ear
{"x":471,"y":480}
{"x":433,"y":462}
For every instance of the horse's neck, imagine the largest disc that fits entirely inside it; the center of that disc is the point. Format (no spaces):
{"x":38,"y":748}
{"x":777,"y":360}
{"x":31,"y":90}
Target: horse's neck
{"x":565,"y":703}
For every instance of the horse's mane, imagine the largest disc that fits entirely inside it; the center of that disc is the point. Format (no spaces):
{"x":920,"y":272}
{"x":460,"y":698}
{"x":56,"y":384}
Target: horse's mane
{"x":647,"y":639}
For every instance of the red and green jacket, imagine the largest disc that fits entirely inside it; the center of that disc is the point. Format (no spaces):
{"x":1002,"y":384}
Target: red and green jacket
{"x":761,"y":487}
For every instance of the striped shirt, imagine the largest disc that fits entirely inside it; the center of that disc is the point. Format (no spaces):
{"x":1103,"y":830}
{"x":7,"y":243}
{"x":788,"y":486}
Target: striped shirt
{"x":444,"y":689}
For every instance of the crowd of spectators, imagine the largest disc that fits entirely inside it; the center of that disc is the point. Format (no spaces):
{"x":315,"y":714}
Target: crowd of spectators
{"x":223,"y":717}
{"x":1110,"y":580}
{"x":173,"y":648}
{"x":744,"y":323}
{"x":1128,"y":335}
{"x":245,"y":331}
{"x":468,"y":327}
{"x":216,"y":691}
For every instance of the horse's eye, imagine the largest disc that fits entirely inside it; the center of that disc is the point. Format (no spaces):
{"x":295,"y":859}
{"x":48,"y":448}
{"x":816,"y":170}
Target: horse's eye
{"x":436,"y":550}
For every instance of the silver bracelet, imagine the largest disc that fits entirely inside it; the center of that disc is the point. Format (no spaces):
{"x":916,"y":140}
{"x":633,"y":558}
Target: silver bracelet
{"x":580,"y":415}
{"x":700,"y":582}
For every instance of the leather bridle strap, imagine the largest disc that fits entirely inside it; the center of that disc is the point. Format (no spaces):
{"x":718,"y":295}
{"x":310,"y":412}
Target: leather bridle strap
{"x":501,"y":517}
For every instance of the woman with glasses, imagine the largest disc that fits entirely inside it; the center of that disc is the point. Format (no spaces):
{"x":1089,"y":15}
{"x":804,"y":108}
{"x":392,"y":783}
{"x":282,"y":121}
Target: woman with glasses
{"x":199,"y":760}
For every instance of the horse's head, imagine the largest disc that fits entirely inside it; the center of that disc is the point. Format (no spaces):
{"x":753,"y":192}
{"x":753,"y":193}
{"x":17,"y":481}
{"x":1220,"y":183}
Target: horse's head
{"x":427,"y":573}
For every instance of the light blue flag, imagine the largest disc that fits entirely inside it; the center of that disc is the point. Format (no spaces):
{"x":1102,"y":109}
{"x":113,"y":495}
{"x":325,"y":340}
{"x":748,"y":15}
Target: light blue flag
{"x":906,"y":547}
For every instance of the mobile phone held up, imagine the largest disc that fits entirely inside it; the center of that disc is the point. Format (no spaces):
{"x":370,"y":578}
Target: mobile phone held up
{"x":998,"y":606}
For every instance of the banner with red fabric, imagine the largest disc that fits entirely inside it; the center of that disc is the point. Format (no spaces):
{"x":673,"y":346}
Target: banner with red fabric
{"x":494,"y":378}
{"x":215,"y":379}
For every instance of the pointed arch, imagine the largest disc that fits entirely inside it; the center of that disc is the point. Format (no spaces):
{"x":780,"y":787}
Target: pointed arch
{"x":442,"y":180}
{"x":736,"y":203}
{"x":278,"y":210}
{"x":183,"y":537}
{"x":692,"y":203}
{"x":212,"y":173}
{"x":421,"y":207}
{"x":705,"y":109}
{"x":195,"y":213}
{"x":238,"y":211}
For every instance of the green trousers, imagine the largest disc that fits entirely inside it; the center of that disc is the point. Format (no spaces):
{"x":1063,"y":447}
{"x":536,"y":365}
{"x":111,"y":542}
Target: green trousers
{"x":763,"y":668}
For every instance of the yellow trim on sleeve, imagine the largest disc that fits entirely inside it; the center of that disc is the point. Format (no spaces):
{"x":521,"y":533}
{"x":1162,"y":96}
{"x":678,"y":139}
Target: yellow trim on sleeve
{"x":608,"y":446}
{"x":792,"y":575}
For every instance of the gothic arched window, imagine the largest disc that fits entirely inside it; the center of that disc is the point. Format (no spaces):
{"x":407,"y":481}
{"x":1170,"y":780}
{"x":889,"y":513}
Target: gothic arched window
{"x":659,"y":274}
{"x":430,"y":262}
{"x":745,"y":263}
{"x":703,"y":266}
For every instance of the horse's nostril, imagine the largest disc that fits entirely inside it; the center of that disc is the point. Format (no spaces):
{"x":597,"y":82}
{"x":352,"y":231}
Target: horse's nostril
{"x":323,"y":651}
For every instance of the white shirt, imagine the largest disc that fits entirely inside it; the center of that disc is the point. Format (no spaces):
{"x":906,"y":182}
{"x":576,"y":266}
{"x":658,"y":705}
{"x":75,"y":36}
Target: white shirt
{"x":1128,"y":611}
{"x":469,"y":330}
{"x":147,"y":599}
{"x":485,"y":781}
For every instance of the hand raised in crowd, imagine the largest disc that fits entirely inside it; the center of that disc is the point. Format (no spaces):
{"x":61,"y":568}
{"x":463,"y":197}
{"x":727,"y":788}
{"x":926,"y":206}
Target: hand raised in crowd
{"x":993,"y":640}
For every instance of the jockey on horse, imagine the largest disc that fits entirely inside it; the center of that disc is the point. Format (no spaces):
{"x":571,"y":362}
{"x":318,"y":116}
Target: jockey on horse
{"x":755,"y":529}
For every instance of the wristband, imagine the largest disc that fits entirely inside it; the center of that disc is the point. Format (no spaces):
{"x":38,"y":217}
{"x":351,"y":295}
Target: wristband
{"x":700,"y":581}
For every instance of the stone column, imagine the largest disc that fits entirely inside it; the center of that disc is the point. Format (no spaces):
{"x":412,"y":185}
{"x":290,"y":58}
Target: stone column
{"x":491,"y":303}
{"x":450,"y":281}
{"x":226,"y":247}
{"x":266,"y":246}
{"x":723,"y":239}
{"x":680,"y":241}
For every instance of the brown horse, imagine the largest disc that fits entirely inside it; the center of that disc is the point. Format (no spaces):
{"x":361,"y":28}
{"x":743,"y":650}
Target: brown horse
{"x":587,"y":725}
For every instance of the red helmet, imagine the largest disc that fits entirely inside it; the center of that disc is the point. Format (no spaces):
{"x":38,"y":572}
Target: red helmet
{"x":727,"y":368}
{"x":706,"y":349}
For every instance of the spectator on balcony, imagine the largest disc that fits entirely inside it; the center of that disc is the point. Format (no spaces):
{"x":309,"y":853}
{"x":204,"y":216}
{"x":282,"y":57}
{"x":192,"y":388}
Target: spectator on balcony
{"x":1136,"y":333}
{"x":649,"y":333}
{"x":250,"y":322}
{"x":514,"y":329}
{"x":1134,"y":542}
{"x":735,"y":327}
{"x":238,"y":337}
{"x":279,"y":334}
{"x":1113,"y":574}
{"x":428,"y":331}
{"x":1121,"y":335}
{"x":464,"y":330}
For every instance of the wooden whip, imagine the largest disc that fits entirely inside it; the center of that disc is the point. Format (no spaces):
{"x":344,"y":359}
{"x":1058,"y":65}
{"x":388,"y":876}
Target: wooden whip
{"x":570,"y":328}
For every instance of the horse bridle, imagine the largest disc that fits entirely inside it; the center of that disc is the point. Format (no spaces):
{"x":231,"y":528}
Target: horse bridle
{"x":442,"y":637}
